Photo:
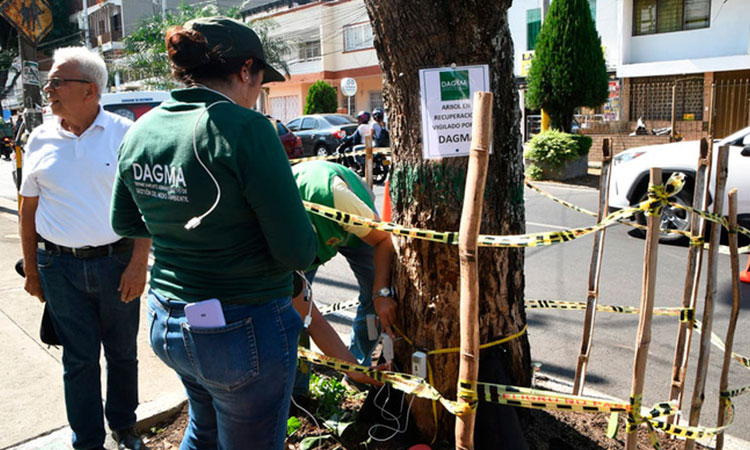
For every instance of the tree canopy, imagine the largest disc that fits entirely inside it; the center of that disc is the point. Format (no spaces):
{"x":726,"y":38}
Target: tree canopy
{"x":146,"y":52}
{"x":568,"y":68}
{"x":321,"y":98}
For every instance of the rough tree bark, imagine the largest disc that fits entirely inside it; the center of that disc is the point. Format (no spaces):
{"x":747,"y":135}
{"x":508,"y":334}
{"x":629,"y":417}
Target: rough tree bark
{"x":428,"y":194}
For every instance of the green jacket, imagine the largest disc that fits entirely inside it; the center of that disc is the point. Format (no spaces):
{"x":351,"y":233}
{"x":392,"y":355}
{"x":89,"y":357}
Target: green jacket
{"x":314,"y":180}
{"x":244,"y":251}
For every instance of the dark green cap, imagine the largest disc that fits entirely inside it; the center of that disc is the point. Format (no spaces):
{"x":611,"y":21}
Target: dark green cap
{"x":234,"y":39}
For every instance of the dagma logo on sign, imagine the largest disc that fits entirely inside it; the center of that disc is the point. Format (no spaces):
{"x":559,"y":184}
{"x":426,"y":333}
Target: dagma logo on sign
{"x":454,"y":85}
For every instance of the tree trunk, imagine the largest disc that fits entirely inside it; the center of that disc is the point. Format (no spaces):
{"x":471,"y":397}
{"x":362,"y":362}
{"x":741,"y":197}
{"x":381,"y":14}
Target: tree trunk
{"x":428,"y":194}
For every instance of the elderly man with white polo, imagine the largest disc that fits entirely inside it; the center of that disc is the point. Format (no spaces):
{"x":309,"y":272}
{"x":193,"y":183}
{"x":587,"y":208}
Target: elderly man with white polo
{"x":90,"y":278}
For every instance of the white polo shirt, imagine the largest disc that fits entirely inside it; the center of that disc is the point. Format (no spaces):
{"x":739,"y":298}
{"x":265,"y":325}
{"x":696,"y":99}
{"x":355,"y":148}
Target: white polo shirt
{"x":73,"y":177}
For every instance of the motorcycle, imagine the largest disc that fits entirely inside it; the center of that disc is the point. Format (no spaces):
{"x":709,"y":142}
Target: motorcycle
{"x":380,"y":163}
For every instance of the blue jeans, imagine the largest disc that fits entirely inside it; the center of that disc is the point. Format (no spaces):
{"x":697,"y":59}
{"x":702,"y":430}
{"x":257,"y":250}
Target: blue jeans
{"x":360,"y":260}
{"x":238,"y":378}
{"x":87,"y":313}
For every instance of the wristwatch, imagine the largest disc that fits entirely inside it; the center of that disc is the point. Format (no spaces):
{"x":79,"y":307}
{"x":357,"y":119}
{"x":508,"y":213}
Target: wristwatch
{"x":382,"y":292}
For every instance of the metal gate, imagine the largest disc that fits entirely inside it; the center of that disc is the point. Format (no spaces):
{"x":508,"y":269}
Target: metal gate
{"x":285,"y":108}
{"x":731,"y":106}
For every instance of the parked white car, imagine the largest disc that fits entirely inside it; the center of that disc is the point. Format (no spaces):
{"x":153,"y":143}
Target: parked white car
{"x":630,"y":174}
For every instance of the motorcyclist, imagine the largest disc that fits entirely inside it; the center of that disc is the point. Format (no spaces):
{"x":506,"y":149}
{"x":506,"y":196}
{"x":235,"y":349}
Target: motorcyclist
{"x":358,"y":137}
{"x":380,"y":135}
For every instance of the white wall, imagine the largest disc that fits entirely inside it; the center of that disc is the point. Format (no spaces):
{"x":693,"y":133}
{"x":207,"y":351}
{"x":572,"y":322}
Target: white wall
{"x":607,"y":13}
{"x":334,"y":19}
{"x":728,"y":35}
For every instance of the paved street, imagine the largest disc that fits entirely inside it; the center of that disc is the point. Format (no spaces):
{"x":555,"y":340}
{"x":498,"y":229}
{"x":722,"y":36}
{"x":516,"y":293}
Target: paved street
{"x":561,"y":272}
{"x":31,"y":373}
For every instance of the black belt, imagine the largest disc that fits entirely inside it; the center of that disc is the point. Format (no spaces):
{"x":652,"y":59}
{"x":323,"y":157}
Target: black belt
{"x":121,"y":246}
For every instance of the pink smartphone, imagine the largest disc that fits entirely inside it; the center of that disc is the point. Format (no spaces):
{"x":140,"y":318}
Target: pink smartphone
{"x":205,"y":314}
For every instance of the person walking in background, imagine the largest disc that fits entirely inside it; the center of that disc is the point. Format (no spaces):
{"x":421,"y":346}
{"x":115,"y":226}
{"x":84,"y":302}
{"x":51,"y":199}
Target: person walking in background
{"x":380,"y":135}
{"x":208,"y":179}
{"x":90,"y":278}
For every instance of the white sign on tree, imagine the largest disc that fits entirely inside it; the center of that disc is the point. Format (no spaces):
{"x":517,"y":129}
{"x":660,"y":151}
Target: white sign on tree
{"x":447,"y":102}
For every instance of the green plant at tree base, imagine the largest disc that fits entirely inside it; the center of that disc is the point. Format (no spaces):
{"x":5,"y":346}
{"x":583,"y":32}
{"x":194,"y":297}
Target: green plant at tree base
{"x":146,"y":53}
{"x":321,"y":98}
{"x":292,"y":425}
{"x":568,"y":69}
{"x":554,"y":149}
{"x":329,"y":392}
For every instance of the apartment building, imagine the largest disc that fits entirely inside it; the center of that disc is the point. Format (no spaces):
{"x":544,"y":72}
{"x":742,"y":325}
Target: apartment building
{"x":106,"y":22}
{"x":700,"y":47}
{"x":329,"y":40}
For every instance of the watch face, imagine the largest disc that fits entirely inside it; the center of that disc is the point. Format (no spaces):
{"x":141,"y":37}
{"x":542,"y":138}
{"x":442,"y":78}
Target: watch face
{"x":384,"y":292}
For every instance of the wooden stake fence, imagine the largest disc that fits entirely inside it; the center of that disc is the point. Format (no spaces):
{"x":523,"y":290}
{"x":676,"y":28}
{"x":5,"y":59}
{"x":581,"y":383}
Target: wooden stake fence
{"x":468,"y":233}
{"x":594,"y":271}
{"x":711,"y":290}
{"x":368,"y":160}
{"x":692,"y":277}
{"x":647,"y":305}
{"x":734,"y":255}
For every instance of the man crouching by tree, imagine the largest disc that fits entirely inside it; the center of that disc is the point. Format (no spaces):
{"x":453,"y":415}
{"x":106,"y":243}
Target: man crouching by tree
{"x":90,"y":278}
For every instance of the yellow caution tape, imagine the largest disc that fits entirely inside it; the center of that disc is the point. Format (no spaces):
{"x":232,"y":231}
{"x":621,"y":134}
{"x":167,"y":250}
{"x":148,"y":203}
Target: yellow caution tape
{"x":383,"y":150}
{"x":718,"y":343}
{"x":694,"y":240}
{"x":529,"y":397}
{"x":685,"y":314}
{"x":409,"y":384}
{"x":341,"y":306}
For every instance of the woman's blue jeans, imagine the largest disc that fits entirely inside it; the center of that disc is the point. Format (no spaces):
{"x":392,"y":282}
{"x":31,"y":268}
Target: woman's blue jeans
{"x":238,"y":378}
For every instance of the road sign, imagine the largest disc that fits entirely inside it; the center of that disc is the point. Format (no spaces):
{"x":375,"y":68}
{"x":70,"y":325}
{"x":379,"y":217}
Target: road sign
{"x":31,"y":18}
{"x":348,"y":86}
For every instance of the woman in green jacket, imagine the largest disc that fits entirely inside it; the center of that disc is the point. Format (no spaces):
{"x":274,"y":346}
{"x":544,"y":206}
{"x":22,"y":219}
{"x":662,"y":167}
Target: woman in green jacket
{"x":207,"y":179}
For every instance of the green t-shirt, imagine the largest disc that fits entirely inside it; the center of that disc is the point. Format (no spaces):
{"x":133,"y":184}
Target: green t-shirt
{"x":245,"y":249}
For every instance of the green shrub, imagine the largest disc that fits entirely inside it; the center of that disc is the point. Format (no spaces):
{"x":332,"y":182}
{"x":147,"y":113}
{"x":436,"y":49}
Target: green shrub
{"x":321,"y":99}
{"x":534,"y":172}
{"x":554,"y":148}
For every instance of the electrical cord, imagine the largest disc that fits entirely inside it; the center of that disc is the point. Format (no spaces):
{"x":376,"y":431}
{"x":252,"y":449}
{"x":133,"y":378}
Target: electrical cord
{"x":196,"y":221}
{"x":384,"y":414}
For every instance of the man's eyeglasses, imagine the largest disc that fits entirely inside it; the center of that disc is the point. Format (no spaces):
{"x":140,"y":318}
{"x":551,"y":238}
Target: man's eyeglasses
{"x":55,"y":83}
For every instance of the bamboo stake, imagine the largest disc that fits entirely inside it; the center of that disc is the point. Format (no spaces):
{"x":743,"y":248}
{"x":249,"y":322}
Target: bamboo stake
{"x":692,"y":276}
{"x":368,"y":160}
{"x":595,"y":269}
{"x":673,"y":132}
{"x":647,"y":306}
{"x":711,"y":109}
{"x":711,"y":288}
{"x":734,"y":255}
{"x":468,"y":233}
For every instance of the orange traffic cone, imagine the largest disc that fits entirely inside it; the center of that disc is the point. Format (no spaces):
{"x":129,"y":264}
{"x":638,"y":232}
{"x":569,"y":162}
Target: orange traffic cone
{"x":387,"y":203}
{"x":745,"y":275}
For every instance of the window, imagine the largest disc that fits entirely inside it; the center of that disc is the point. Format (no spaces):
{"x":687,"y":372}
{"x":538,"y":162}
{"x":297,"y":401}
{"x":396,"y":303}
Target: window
{"x":376,"y":100}
{"x":665,"y":16}
{"x":308,"y":123}
{"x":116,"y":22}
{"x":309,"y":50}
{"x":357,"y":37}
{"x":294,"y":124}
{"x":533,"y":26}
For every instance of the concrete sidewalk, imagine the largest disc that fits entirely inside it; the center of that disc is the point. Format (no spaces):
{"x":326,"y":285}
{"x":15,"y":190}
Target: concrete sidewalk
{"x":31,"y":373}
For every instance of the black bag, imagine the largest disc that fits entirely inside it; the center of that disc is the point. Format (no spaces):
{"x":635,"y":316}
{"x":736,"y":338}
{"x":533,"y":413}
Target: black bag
{"x":384,"y":139}
{"x":47,"y":332}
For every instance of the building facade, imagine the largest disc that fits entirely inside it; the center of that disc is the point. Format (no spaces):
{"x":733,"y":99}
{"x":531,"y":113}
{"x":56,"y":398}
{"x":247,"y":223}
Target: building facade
{"x":693,"y":53}
{"x":329,"y":40}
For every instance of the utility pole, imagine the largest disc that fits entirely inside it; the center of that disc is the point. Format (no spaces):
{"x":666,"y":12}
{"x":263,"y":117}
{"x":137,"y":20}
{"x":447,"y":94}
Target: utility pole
{"x":86,"y":32}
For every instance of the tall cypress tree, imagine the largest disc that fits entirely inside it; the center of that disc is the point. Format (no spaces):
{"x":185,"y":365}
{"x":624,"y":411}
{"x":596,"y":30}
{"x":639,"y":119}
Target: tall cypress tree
{"x":568,"y":69}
